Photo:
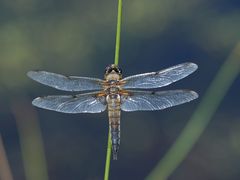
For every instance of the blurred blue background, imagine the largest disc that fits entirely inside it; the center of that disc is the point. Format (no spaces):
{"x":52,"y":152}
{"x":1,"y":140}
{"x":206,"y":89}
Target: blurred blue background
{"x":78,"y":38}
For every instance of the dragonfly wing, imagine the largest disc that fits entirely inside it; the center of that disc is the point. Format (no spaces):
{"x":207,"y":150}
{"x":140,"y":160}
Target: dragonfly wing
{"x":82,"y":103}
{"x":160,"y":78}
{"x":65,"y":83}
{"x":150,"y":101}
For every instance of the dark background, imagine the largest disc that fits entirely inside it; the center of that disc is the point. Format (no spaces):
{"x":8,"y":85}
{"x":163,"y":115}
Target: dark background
{"x":78,"y":38}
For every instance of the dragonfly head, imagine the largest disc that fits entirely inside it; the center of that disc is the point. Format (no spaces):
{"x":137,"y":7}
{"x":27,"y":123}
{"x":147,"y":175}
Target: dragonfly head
{"x":113,"y":72}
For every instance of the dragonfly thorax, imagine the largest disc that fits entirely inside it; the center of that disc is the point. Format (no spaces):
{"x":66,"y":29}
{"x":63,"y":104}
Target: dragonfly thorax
{"x":113,"y":76}
{"x":113,"y":82}
{"x":112,"y":90}
{"x":112,"y":98}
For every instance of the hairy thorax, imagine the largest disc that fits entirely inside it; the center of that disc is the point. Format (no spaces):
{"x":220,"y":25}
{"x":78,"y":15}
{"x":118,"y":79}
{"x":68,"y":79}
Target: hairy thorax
{"x":112,"y":89}
{"x":113,"y":76}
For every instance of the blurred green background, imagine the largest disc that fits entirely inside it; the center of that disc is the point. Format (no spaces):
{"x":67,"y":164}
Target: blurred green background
{"x":78,"y":38}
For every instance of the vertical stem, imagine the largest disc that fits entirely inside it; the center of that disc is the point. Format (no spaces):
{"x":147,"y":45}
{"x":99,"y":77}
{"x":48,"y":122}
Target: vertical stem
{"x":118,"y":33}
{"x":108,"y":157}
{"x":116,"y":60}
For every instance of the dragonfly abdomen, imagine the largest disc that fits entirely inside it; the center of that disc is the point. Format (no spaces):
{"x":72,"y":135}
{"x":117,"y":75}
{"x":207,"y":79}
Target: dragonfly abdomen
{"x":114,"y":121}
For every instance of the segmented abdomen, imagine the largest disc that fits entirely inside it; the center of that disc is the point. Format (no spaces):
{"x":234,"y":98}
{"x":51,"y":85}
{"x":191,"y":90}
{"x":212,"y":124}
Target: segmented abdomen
{"x":114,"y":121}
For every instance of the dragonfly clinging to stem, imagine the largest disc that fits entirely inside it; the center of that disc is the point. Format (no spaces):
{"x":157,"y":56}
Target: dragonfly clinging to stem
{"x":115,"y":93}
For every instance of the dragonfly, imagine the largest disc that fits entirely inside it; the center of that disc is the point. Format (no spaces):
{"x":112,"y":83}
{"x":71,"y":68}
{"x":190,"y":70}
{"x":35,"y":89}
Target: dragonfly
{"x":115,"y":93}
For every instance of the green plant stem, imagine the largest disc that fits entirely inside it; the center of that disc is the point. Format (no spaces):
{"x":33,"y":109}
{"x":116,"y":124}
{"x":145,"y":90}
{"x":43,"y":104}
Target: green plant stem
{"x":108,"y":157}
{"x":200,"y":119}
{"x":118,"y":33}
{"x":116,"y":60}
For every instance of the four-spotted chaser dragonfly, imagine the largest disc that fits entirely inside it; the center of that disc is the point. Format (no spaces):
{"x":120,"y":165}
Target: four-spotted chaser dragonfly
{"x":115,"y":93}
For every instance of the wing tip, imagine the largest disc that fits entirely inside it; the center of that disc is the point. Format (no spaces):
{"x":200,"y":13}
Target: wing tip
{"x":194,"y":66}
{"x":194,"y":94}
{"x":31,"y":73}
{"x":36,"y":101}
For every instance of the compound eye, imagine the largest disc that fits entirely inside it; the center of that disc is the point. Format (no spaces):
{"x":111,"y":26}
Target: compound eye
{"x":107,"y":70}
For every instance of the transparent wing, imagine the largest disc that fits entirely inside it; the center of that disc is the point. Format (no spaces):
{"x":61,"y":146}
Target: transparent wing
{"x":150,"y":101}
{"x":65,"y":83}
{"x":83,"y":103}
{"x":160,"y":78}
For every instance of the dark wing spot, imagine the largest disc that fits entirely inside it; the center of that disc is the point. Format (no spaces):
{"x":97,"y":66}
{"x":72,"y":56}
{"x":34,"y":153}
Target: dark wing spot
{"x":68,"y":77}
{"x":153,"y":92}
{"x":74,"y":96}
